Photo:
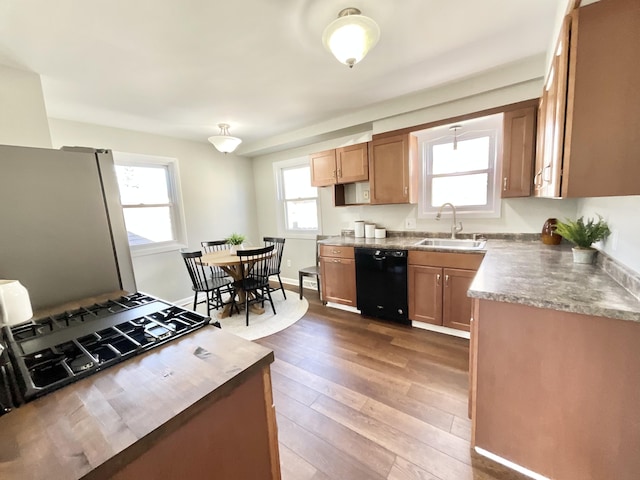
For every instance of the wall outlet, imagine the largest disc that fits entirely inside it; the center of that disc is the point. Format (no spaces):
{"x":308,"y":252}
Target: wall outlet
{"x":288,"y":263}
{"x":410,"y":223}
{"x":365,"y":194}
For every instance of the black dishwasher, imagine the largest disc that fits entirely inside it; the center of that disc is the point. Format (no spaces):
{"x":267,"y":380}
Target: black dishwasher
{"x":381,"y":284}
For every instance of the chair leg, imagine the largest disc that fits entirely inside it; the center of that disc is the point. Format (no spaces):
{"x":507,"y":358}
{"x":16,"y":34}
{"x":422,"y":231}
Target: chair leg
{"x":282,"y":287}
{"x":273,"y":307}
{"x":195,"y":300}
{"x":246,"y":305}
{"x":300,"y":277}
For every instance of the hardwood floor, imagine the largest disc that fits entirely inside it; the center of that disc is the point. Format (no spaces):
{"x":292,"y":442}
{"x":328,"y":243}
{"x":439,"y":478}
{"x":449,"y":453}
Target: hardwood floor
{"x":358,"y":398}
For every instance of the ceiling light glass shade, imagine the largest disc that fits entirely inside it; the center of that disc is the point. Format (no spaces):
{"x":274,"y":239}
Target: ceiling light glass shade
{"x":351,"y":36}
{"x":224,"y":142}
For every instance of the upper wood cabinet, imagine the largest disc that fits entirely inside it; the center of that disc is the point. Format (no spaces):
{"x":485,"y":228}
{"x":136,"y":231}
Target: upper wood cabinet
{"x":342,"y":165}
{"x":590,"y":110}
{"x":518,"y":151}
{"x":393,"y":169}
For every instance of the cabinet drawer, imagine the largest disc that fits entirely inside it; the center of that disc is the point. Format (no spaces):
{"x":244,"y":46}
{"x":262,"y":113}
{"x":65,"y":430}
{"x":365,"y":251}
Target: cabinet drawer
{"x":469,"y":261}
{"x":335,"y":251}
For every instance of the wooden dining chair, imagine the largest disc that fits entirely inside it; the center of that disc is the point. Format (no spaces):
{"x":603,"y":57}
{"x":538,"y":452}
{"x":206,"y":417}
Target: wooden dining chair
{"x":203,"y":282}
{"x":276,"y":260}
{"x":254,"y":265}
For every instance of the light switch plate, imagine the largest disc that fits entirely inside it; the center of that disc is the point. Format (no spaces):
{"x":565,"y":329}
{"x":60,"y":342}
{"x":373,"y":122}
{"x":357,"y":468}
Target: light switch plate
{"x":410,"y":223}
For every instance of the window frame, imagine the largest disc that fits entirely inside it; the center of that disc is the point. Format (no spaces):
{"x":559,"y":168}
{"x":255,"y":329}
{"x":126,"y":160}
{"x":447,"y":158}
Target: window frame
{"x":175,"y":204}
{"x":281,"y":202}
{"x":490,"y":126}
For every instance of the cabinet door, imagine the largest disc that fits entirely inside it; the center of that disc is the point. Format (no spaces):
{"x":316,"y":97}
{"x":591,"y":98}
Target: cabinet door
{"x":518,"y":152}
{"x":352,"y":163}
{"x":338,"y":280}
{"x":323,"y":168}
{"x":425,"y":294}
{"x":555,"y":98}
{"x":392,"y":161}
{"x":457,"y":306}
{"x":540,"y":128}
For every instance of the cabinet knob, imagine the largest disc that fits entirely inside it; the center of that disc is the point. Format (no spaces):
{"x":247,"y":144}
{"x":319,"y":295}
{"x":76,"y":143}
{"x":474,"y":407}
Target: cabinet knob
{"x":438,"y":279}
{"x":544,"y":179}
{"x":536,"y":177}
{"x":446,"y":280}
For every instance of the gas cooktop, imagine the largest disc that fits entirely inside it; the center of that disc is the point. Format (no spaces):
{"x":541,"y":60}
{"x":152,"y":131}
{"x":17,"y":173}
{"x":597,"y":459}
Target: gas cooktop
{"x":51,"y":352}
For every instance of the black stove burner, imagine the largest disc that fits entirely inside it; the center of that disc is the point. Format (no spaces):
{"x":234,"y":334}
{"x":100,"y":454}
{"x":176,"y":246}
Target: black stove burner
{"x":54,"y":351}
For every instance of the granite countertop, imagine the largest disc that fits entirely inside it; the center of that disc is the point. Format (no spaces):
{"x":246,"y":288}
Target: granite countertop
{"x":527,"y":272}
{"x":94,"y":426}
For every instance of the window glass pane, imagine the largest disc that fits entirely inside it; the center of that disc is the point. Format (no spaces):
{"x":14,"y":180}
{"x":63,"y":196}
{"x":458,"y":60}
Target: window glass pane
{"x":301,"y":214}
{"x":297,"y":183}
{"x":460,"y":190}
{"x":470,"y":155}
{"x":142,"y":185}
{"x":148,"y":225}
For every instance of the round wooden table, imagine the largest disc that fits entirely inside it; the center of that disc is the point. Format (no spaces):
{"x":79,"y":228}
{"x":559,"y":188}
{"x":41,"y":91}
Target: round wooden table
{"x":230,"y":263}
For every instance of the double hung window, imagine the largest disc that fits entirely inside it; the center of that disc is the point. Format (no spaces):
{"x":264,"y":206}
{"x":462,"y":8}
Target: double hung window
{"x":298,"y":207}
{"x":460,"y":166}
{"x":150,"y":197}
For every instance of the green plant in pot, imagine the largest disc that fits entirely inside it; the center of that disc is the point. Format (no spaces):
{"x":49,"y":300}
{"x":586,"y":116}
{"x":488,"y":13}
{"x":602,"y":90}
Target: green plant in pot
{"x":235,"y":240}
{"x":583,"y":235}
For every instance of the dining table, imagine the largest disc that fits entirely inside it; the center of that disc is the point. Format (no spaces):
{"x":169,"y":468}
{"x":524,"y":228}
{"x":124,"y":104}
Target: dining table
{"x":229,"y":262}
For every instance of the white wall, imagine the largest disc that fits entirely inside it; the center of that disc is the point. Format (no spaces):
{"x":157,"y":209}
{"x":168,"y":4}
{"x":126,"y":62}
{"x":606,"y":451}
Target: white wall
{"x":621,"y":213}
{"x":23,"y":117}
{"x":217,"y":190}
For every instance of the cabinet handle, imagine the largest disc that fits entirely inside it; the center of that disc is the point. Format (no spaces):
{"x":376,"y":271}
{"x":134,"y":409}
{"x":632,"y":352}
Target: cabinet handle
{"x":547,"y":167}
{"x":504,"y":184}
{"x":535,"y":181}
{"x":406,"y":191}
{"x":438,"y":279}
{"x":334,"y":174}
{"x":336,"y":260}
{"x":446,"y":280}
{"x":335,"y":251}
{"x":339,"y":173}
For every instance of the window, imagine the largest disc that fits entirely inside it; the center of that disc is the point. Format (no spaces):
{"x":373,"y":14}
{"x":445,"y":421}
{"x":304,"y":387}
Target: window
{"x":460,"y":167}
{"x":298,"y":206}
{"x":150,"y":197}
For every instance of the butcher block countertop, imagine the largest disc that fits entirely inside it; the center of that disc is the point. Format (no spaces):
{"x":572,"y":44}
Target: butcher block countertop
{"x":517,"y":269}
{"x":93,"y":427}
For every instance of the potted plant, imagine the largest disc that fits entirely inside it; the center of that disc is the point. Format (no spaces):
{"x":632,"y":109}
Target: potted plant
{"x":235,"y":240}
{"x":583,"y":235}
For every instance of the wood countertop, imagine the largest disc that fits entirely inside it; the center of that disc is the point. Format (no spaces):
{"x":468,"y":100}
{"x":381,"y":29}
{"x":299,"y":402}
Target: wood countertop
{"x":93,"y":427}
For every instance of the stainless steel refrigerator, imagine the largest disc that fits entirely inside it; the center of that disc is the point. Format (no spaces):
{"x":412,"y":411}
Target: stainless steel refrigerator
{"x":62,"y":231}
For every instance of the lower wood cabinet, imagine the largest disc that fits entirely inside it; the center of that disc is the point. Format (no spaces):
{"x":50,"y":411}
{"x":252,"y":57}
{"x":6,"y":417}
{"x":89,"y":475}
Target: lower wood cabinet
{"x":338,"y":274}
{"x":438,"y":284}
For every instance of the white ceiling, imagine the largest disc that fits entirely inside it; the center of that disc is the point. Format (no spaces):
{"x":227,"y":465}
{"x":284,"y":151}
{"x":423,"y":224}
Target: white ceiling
{"x":180,"y":67}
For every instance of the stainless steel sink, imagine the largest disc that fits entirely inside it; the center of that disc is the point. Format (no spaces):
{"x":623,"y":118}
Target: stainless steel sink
{"x":453,"y":243}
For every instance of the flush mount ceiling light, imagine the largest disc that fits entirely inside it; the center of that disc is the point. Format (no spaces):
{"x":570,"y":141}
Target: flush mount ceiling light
{"x":224,"y":142}
{"x":455,"y":129}
{"x":350,"y":36}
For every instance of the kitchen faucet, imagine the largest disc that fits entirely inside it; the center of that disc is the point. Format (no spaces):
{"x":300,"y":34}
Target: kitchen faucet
{"x":454,"y":228}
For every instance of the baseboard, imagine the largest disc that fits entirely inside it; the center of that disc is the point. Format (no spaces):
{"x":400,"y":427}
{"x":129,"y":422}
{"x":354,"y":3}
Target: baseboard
{"x":307,"y":282}
{"x":346,"y":308}
{"x":437,"y":328}
{"x":509,"y":464}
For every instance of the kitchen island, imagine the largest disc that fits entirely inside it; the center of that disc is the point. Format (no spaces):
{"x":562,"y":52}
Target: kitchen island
{"x":199,"y":407}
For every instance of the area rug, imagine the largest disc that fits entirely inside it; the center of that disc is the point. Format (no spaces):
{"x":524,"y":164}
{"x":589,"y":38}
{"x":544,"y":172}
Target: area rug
{"x":288,"y":312}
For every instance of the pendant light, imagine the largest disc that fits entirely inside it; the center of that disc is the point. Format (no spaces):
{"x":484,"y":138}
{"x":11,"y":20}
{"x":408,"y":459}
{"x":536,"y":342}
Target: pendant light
{"x":224,"y":142}
{"x":351,"y":36}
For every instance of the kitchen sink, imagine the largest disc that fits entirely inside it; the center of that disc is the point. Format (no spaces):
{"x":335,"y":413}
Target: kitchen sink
{"x":453,"y":243}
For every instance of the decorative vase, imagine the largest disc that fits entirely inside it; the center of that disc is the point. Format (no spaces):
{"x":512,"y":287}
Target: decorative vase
{"x":549,"y":235}
{"x":583,"y":255}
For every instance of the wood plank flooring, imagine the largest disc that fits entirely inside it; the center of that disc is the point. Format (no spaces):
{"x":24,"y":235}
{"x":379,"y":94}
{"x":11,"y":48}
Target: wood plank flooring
{"x":358,"y":399}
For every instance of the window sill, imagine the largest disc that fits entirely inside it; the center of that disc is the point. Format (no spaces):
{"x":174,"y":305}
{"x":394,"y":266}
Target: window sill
{"x":153,"y":249}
